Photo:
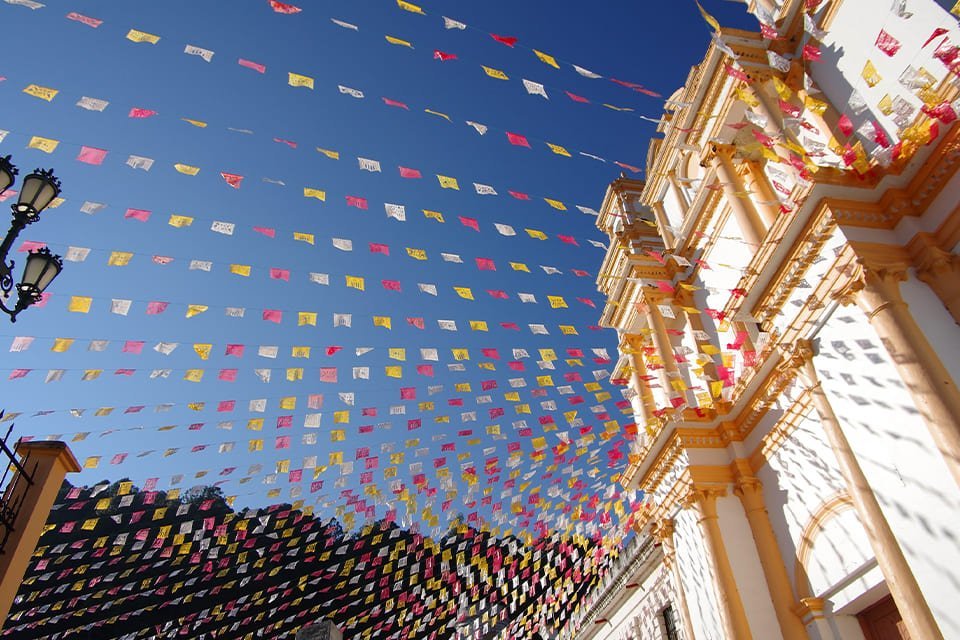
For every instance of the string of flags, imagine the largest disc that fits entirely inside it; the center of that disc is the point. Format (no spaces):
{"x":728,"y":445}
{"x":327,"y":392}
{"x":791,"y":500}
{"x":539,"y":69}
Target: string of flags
{"x":297,"y":80}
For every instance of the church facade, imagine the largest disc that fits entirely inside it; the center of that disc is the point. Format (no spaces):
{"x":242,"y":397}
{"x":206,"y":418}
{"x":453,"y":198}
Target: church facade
{"x":786,"y":287}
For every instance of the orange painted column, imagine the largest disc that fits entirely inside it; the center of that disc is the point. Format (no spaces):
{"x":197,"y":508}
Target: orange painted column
{"x":663,"y":531}
{"x":732,"y":615}
{"x":751,"y":226}
{"x":53,"y":461}
{"x":750,"y":491}
{"x":933,"y":389}
{"x":899,"y":577}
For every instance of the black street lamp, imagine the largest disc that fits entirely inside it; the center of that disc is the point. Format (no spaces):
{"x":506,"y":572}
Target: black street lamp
{"x":39,"y":189}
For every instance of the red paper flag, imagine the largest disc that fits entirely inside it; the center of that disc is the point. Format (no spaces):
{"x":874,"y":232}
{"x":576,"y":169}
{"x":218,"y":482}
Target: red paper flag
{"x":517,"y":140}
{"x":469,"y":222}
{"x":408,"y":393}
{"x":507,"y":40}
{"x":409,"y":173}
{"x":577,"y":98}
{"x":510,"y":325}
{"x":425,"y":369}
{"x":391,"y":285}
{"x":442,"y":56}
{"x":939,"y":31}
{"x":568,"y":240}
{"x":235,"y":350}
{"x":331,"y":350}
{"x":811,"y":52}
{"x":490,"y":353}
{"x":280,"y":7}
{"x":486,"y":264}
{"x":519,"y":195}
{"x":279,"y":274}
{"x":588,"y":302}
{"x":416,"y":322}
{"x":628,"y":167}
{"x":267,"y":231}
{"x":289,"y":143}
{"x":887,"y":43}
{"x":497,"y":293}
{"x":232,"y":179}
{"x":394,"y":103}
{"x":846,"y":126}
{"x":376,"y":247}
{"x":227,"y":375}
{"x":580,"y":273}
{"x":272,"y":315}
{"x":733,"y":72}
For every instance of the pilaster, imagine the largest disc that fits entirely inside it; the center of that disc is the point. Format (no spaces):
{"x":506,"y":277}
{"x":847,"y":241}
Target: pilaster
{"x":663,"y":530}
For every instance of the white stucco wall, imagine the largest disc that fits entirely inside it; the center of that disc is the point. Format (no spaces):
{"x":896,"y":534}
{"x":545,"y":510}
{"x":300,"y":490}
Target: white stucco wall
{"x":916,"y":491}
{"x":697,"y":577}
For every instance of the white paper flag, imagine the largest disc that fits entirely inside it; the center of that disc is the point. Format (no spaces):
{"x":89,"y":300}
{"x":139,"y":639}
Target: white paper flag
{"x":395,"y":211}
{"x":480,"y":128}
{"x":345,"y":25}
{"x":343,"y":244}
{"x":430,"y":289}
{"x":585,"y":73}
{"x":191,"y":50}
{"x":504,"y":229}
{"x":484,"y":189}
{"x":120,"y":307}
{"x":450,"y":23}
{"x":535,"y":88}
{"x":366,"y":164}
{"x":226,"y":228}
{"x":356,"y":93}
{"x":92,"y":104}
{"x":76,"y":254}
{"x":320,"y":278}
{"x":139,"y":162}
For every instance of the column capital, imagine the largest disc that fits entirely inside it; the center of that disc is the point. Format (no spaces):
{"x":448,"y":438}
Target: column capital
{"x":873,"y":286}
{"x":663,"y":529}
{"x":931,"y":261}
{"x":703,"y":497}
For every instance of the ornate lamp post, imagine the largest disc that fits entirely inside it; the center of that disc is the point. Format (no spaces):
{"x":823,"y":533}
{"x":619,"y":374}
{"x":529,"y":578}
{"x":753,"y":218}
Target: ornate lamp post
{"x":39,"y":189}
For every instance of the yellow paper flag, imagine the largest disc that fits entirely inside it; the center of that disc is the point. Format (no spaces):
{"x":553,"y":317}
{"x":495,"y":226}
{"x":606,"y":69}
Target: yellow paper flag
{"x":142,"y":36}
{"x":417,"y":254}
{"x":61,"y":345}
{"x":299,"y":236}
{"x":556,"y":204}
{"x":186,"y":169}
{"x":710,"y":20}
{"x":464,"y":292}
{"x":196,"y":309}
{"x":44,"y":93}
{"x":119,"y":258}
{"x":307,"y":318}
{"x":533,"y":233}
{"x":179,"y":221}
{"x":333,"y":155}
{"x":297,"y":80}
{"x":200,"y":124}
{"x":193,"y":375}
{"x":79,"y":304}
{"x":309,"y":192}
{"x":47,"y":145}
{"x":382,"y":321}
{"x":495,"y":73}
{"x":398,"y":42}
{"x":408,"y":6}
{"x":355,"y":282}
{"x":446,"y":182}
{"x":240,"y":270}
{"x":546,"y":59}
{"x":203,"y":350}
{"x":557,"y":149}
{"x":519,"y":266}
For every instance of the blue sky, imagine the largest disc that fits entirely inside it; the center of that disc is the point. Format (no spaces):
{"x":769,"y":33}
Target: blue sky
{"x":615,"y":39}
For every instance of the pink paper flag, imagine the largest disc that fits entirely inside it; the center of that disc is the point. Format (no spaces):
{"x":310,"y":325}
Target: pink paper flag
{"x":235,"y":350}
{"x":376,"y":247}
{"x":408,"y":393}
{"x":227,"y":375}
{"x":267,"y":231}
{"x":517,"y":140}
{"x":19,"y":373}
{"x":394,"y":103}
{"x":133,"y":346}
{"x":256,"y":66}
{"x":328,"y":374}
{"x":92,"y":155}
{"x":137,"y":214}
{"x":226,"y":406}
{"x":137,"y":112}
{"x":486,"y":264}
{"x":31,"y":245}
{"x":391,"y":285}
{"x":518,"y":195}
{"x":82,"y":19}
{"x":887,"y":43}
{"x":279,"y":274}
{"x":469,"y":222}
{"x":409,"y":173}
{"x":156,"y":308}
{"x":272,"y":315}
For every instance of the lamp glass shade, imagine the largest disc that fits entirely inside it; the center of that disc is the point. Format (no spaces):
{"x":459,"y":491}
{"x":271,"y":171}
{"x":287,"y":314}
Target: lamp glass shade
{"x":6,"y":175}
{"x":37,"y":192}
{"x":41,"y":269}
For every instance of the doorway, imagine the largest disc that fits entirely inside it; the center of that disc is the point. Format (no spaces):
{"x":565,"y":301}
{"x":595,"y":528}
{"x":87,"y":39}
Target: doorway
{"x":881,"y":621}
